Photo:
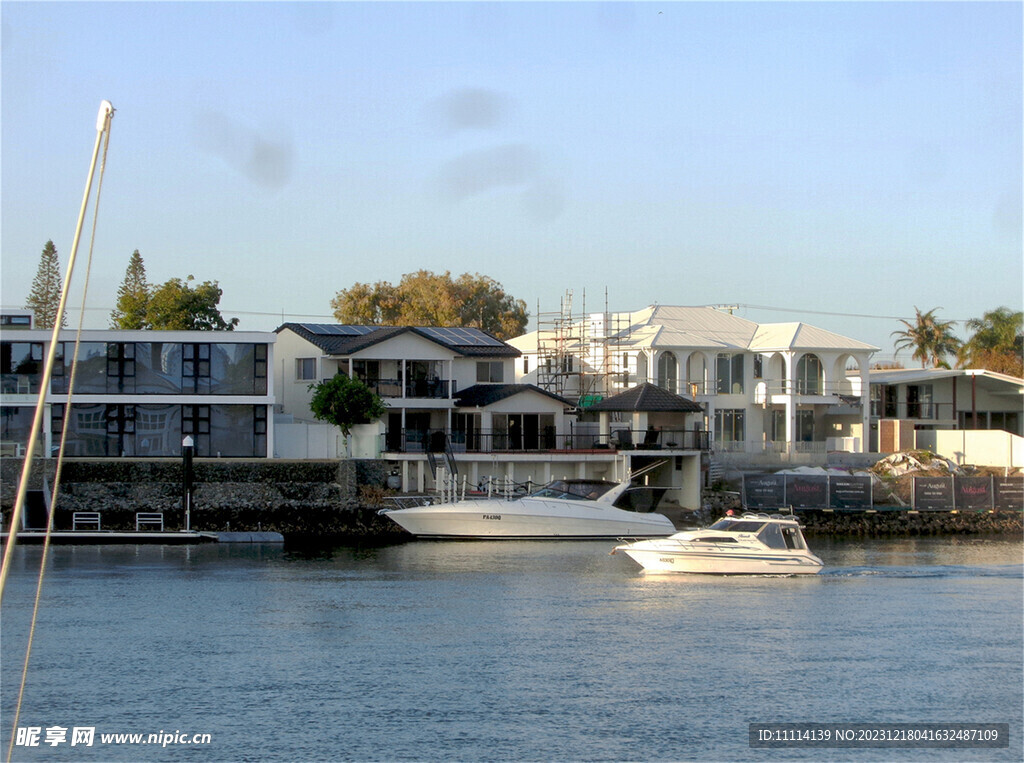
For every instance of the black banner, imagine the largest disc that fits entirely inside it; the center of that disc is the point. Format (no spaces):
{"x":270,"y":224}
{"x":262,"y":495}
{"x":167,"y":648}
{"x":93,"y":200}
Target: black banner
{"x":849,"y":492}
{"x":1009,"y":493}
{"x":972,"y":493}
{"x":807,"y":492}
{"x":764,"y":491}
{"x":933,"y":493}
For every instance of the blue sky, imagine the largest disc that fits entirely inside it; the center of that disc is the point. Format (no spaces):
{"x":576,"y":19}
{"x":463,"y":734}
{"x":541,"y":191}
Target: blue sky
{"x":806,"y":161}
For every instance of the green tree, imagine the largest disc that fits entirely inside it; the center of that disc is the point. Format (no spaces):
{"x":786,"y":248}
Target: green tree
{"x":176,"y":305}
{"x":345,"y":402}
{"x":44,"y":298}
{"x":931,"y":339}
{"x":997,"y":342}
{"x":424,"y":298}
{"x":132,"y":297}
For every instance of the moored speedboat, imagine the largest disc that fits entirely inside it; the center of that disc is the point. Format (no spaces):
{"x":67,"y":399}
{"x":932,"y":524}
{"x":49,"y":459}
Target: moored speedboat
{"x":561,"y":509}
{"x":751,"y":544}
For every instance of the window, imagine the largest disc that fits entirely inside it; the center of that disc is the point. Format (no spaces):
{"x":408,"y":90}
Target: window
{"x":526,"y":365}
{"x":805,"y":426}
{"x":808,"y":375}
{"x":668,"y":372}
{"x":919,"y":401}
{"x":305,"y":369}
{"x":729,"y":372}
{"x":759,"y":366}
{"x":120,"y":367}
{"x":492,"y":372}
{"x":729,"y":428}
{"x":195,"y":368}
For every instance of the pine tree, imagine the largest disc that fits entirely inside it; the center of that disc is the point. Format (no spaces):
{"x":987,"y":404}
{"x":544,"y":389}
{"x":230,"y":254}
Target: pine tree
{"x":44,"y":299}
{"x":132,"y":297}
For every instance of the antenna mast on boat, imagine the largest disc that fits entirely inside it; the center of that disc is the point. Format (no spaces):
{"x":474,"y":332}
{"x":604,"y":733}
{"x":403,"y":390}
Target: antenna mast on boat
{"x":106,"y":113}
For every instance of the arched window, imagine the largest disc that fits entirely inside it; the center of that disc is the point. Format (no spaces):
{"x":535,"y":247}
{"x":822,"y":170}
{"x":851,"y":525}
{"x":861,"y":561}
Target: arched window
{"x":668,"y":372}
{"x":808,"y":375}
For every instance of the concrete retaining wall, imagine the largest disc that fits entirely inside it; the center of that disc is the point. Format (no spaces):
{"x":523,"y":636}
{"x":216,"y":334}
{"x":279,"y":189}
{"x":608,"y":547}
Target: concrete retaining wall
{"x":291,"y":497}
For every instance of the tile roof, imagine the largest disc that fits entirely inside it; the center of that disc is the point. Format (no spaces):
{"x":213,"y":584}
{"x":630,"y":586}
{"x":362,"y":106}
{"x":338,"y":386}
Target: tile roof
{"x":342,"y":339}
{"x":647,"y":397}
{"x":482,"y":395}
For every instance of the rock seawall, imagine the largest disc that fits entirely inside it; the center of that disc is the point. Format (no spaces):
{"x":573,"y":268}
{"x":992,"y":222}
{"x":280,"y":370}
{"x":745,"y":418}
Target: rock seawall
{"x":298,"y":498}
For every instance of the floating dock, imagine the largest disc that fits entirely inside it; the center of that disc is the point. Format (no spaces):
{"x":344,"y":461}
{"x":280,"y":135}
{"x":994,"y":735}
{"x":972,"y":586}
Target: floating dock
{"x":166,"y":537}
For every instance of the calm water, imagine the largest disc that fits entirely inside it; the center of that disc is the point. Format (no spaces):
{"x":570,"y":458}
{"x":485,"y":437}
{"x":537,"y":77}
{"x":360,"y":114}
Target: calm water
{"x":508,"y":651}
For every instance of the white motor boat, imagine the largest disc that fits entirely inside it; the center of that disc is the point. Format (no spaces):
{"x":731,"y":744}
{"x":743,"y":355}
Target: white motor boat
{"x":561,"y":509}
{"x":751,"y":544}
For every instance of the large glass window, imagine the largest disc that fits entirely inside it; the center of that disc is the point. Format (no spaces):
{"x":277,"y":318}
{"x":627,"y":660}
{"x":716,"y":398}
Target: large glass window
{"x":21,"y":367}
{"x":809,"y":377}
{"x":729,"y":372}
{"x":668,"y":372}
{"x":15,"y":428}
{"x":729,"y":428}
{"x":158,"y":368}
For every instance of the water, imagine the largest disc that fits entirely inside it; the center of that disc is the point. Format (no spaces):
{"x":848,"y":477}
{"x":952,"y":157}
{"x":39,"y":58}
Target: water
{"x":508,"y":650}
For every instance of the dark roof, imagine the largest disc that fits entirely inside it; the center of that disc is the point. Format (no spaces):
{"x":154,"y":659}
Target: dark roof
{"x":482,"y":395}
{"x":647,"y":397}
{"x":341,"y":339}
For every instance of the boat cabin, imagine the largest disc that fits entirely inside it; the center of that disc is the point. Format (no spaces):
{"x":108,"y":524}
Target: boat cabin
{"x":774,"y":532}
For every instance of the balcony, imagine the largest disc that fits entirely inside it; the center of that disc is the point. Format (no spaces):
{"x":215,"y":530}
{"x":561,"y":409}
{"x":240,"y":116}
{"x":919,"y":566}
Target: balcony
{"x":479,"y":441}
{"x":431,"y":389}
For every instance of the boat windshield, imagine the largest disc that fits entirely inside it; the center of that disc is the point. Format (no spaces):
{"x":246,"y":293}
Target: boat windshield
{"x":589,"y":490}
{"x":737,"y":526}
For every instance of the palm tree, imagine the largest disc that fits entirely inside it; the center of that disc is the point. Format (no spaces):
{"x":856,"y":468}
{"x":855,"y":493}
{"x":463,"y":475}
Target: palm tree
{"x":997,"y":342}
{"x":931,"y":338}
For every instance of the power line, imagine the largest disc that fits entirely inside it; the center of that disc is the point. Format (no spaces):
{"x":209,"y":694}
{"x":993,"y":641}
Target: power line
{"x":841,"y":315}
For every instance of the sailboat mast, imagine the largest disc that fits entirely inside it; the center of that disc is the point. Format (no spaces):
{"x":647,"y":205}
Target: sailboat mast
{"x":106,"y":113}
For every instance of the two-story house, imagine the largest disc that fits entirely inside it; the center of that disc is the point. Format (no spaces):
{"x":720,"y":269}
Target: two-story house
{"x":139,"y":393}
{"x":782,"y":388}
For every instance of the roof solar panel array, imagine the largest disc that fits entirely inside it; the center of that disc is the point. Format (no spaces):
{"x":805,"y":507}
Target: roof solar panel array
{"x":462,"y":337}
{"x":334,"y":329}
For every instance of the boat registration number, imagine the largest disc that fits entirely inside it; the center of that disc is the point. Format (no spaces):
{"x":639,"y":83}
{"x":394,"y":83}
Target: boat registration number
{"x":492,"y":516}
{"x":667,"y":560}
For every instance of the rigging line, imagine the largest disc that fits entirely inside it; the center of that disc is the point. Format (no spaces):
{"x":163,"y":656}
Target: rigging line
{"x":103,"y":123}
{"x":60,"y":453}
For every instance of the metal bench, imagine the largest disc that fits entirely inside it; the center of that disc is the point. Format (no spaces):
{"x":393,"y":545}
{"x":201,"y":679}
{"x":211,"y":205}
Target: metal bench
{"x":83,"y":520}
{"x":149,"y":518}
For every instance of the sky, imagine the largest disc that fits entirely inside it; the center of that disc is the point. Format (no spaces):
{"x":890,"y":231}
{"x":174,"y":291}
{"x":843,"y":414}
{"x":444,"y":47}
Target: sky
{"x":839,"y":164}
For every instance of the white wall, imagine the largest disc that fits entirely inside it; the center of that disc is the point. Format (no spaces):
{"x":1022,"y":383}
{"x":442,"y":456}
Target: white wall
{"x":978,"y":447}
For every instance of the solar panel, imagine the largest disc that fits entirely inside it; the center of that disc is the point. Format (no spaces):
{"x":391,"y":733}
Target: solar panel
{"x":462,"y":337}
{"x":335,"y":329}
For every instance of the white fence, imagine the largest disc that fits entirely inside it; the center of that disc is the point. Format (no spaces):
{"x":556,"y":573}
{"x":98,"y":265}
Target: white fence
{"x":978,"y":447}
{"x":309,"y":440}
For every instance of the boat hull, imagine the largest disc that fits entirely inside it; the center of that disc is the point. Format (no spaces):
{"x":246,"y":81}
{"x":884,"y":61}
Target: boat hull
{"x":528,"y":518}
{"x":713,"y":562}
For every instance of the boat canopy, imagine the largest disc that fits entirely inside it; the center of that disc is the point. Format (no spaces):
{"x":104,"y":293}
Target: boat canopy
{"x":780,"y":535}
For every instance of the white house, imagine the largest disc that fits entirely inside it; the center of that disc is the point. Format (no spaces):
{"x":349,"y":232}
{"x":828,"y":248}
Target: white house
{"x":781,"y":388}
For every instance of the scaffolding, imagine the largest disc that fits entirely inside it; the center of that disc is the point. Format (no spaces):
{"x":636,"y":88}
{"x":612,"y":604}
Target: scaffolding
{"x":576,"y":353}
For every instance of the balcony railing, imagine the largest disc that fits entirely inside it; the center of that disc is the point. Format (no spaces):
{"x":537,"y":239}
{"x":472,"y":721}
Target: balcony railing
{"x":919,"y":410}
{"x":424,"y":388}
{"x":479,"y":441}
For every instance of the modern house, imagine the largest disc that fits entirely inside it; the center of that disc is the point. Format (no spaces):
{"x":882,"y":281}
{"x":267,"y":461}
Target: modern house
{"x":782,"y":390}
{"x":139,"y":393}
{"x":453,"y":404}
{"x":971,"y":415}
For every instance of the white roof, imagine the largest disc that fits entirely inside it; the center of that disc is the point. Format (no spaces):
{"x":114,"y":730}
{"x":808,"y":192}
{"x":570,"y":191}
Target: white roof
{"x":916,"y":375}
{"x":708,"y":328}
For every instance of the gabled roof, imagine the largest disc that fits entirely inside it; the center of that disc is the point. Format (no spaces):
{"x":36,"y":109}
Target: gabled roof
{"x":341,"y":339}
{"x":482,"y":395}
{"x":647,"y":397}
